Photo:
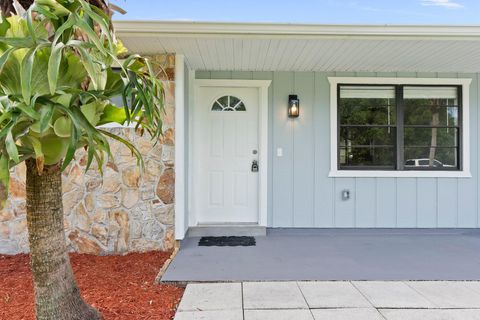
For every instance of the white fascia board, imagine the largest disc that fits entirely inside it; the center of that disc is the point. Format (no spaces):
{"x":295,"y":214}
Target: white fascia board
{"x":275,"y":29}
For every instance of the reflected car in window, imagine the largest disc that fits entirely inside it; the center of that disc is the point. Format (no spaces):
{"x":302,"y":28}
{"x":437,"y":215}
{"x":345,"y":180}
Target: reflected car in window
{"x":425,"y":163}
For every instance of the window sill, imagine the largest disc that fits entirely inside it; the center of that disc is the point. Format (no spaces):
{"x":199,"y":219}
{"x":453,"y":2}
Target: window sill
{"x":398,"y":174}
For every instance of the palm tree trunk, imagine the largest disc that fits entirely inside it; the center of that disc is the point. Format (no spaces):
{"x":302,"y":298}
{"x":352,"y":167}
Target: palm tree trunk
{"x":57,"y":296}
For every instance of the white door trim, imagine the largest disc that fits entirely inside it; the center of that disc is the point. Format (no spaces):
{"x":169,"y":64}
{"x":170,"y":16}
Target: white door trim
{"x":262,"y":85}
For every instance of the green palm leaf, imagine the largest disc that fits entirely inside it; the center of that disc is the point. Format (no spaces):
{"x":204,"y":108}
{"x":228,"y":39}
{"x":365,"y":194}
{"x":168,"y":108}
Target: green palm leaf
{"x":54,"y":66}
{"x":57,"y":82}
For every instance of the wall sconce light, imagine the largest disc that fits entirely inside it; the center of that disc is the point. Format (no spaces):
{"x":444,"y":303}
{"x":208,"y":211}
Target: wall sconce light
{"x":293,"y":106}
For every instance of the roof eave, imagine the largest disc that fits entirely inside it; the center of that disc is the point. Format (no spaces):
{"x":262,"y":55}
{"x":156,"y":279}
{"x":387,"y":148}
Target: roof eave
{"x":147,"y":28}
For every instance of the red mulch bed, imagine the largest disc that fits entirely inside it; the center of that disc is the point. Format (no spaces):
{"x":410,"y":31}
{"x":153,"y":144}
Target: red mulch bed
{"x":121,"y":287}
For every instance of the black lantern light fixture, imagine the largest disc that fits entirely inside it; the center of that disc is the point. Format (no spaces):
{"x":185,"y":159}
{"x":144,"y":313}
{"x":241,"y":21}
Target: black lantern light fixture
{"x":293,"y":106}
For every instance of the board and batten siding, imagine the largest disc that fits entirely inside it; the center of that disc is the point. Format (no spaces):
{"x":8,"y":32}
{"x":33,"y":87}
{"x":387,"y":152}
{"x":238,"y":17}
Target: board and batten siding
{"x":302,"y":195}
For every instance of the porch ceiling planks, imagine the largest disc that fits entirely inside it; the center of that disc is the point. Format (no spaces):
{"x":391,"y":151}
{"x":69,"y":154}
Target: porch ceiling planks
{"x":264,"y":47}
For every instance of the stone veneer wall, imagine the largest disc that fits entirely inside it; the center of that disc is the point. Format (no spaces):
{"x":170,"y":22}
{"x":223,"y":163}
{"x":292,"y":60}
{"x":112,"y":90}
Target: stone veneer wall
{"x":125,"y":210}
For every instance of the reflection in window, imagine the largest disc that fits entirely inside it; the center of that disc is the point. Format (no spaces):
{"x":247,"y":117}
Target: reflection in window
{"x":367,"y":126}
{"x":370,"y":137}
{"x":228,"y":103}
{"x":431,"y":126}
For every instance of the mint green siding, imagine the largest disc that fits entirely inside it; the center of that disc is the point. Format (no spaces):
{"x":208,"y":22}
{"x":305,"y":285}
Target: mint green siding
{"x":302,"y":195}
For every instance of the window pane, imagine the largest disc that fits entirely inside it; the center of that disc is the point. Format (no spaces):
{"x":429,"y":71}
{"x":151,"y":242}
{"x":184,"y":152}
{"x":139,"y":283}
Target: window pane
{"x":367,"y":105}
{"x":223,"y":101}
{"x":241,"y":107}
{"x":420,"y":112}
{"x":370,"y":156}
{"x":434,"y":112}
{"x":234,"y":101}
{"x":217,"y":107}
{"x":367,"y":136}
{"x":424,"y":157}
{"x":436,"y":137}
{"x":435,"y":106}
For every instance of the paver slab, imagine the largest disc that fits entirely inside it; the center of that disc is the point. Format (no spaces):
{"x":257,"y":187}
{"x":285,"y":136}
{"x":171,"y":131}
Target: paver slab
{"x":289,"y":314}
{"x":210,"y":315}
{"x":347,"y":314}
{"x":448,"y":294}
{"x":273,"y":295}
{"x":474,"y":285}
{"x":430,"y":314}
{"x":330,"y":294}
{"x":392,"y":295}
{"x":211,"y":297}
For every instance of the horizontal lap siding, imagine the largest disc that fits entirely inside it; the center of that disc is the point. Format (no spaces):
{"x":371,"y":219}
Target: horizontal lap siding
{"x":302,"y":195}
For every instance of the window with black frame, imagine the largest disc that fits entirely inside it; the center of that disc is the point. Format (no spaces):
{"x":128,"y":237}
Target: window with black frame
{"x":367,"y":127}
{"x":399,"y":127}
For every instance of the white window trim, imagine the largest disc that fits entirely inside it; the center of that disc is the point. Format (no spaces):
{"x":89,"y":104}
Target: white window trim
{"x":465,"y":83}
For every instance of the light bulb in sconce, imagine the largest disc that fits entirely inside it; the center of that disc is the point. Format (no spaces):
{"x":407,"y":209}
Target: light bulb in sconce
{"x":293,"y":106}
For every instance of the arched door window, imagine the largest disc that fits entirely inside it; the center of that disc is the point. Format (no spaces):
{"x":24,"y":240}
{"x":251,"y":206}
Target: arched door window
{"x":228,"y":103}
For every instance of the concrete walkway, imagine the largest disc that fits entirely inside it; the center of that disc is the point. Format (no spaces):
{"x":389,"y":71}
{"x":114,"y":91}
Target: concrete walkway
{"x":331,"y":301}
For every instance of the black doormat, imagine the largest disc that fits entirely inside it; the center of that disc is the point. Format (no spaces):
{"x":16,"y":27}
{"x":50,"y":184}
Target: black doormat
{"x":227,"y":242}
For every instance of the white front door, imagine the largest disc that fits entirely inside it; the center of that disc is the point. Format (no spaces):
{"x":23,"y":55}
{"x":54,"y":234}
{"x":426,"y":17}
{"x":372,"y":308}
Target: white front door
{"x":225,"y":145}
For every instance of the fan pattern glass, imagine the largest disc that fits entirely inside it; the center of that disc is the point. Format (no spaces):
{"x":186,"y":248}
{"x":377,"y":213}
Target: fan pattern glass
{"x":228,"y":103}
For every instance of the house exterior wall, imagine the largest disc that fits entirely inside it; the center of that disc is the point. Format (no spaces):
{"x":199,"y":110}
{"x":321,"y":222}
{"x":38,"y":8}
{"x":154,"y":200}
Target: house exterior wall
{"x":126,"y":209}
{"x":302,"y":195}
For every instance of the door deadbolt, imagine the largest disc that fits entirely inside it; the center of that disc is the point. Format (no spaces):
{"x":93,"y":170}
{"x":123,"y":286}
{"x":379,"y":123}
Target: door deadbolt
{"x":254,"y":166}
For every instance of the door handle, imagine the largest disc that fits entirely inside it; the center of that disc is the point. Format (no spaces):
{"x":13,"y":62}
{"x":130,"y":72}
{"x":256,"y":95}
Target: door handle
{"x":254,"y":166}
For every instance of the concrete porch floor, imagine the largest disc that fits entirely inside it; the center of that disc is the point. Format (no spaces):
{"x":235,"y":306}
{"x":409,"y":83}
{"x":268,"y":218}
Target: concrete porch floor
{"x":334,"y":254}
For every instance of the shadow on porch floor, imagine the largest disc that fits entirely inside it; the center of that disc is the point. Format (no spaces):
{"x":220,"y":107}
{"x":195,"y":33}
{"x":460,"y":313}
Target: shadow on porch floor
{"x":345,"y":254}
